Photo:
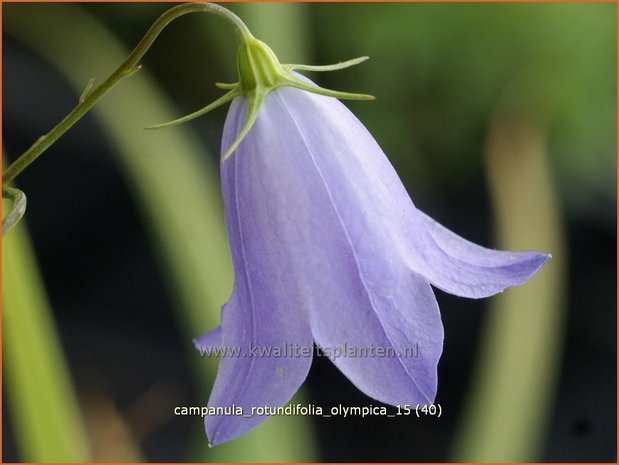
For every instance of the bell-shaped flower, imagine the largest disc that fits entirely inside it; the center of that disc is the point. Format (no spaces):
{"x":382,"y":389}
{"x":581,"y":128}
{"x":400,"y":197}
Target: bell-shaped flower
{"x":328,"y":249}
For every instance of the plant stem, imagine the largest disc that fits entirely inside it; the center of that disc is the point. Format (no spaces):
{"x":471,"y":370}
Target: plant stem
{"x":42,"y":401}
{"x":130,"y":66}
{"x":17,"y":210}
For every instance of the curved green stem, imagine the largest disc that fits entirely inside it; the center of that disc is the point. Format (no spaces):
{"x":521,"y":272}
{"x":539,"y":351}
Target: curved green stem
{"x":88,"y":99}
{"x":18,"y":207}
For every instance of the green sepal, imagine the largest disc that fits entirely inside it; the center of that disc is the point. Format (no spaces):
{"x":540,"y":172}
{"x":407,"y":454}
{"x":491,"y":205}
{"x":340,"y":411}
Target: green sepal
{"x":226,"y":85}
{"x":322,"y":68}
{"x":260,"y":72}
{"x":211,"y":106}
{"x":327,"y":92}
{"x":250,"y":119}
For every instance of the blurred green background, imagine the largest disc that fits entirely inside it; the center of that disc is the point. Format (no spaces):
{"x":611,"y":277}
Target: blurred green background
{"x":500,"y":120}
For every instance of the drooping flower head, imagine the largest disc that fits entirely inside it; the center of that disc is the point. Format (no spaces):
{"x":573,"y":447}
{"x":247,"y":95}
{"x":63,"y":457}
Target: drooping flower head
{"x":328,"y":249}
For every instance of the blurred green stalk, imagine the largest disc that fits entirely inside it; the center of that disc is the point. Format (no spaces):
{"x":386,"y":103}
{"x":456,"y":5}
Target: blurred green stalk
{"x":177,"y":190}
{"x":507,"y":412}
{"x":41,"y":400}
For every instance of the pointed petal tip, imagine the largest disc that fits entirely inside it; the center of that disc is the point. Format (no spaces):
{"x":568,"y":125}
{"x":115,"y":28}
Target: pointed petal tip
{"x":417,"y":395}
{"x":214,"y":441}
{"x":220,"y":429}
{"x":208,"y":341}
{"x":528,"y":266}
{"x":540,"y":259}
{"x":465,"y":269}
{"x":210,"y":435}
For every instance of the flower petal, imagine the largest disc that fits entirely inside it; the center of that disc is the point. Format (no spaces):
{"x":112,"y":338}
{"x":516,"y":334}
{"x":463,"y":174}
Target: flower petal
{"x":354,"y":284}
{"x":264,"y":311}
{"x":209,"y":341}
{"x":463,"y":268}
{"x":369,"y":191}
{"x":384,"y":331}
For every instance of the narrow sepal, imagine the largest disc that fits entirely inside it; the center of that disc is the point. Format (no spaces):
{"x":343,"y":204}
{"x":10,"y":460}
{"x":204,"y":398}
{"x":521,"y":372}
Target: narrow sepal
{"x":250,"y":119}
{"x":321,"y":68}
{"x":211,"y":106}
{"x":314,"y":89}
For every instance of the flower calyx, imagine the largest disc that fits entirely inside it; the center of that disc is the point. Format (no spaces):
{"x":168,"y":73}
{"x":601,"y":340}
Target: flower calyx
{"x":260,"y":72}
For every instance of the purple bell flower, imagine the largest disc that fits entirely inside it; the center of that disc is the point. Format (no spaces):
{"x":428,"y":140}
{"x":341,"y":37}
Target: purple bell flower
{"x":328,"y":249}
